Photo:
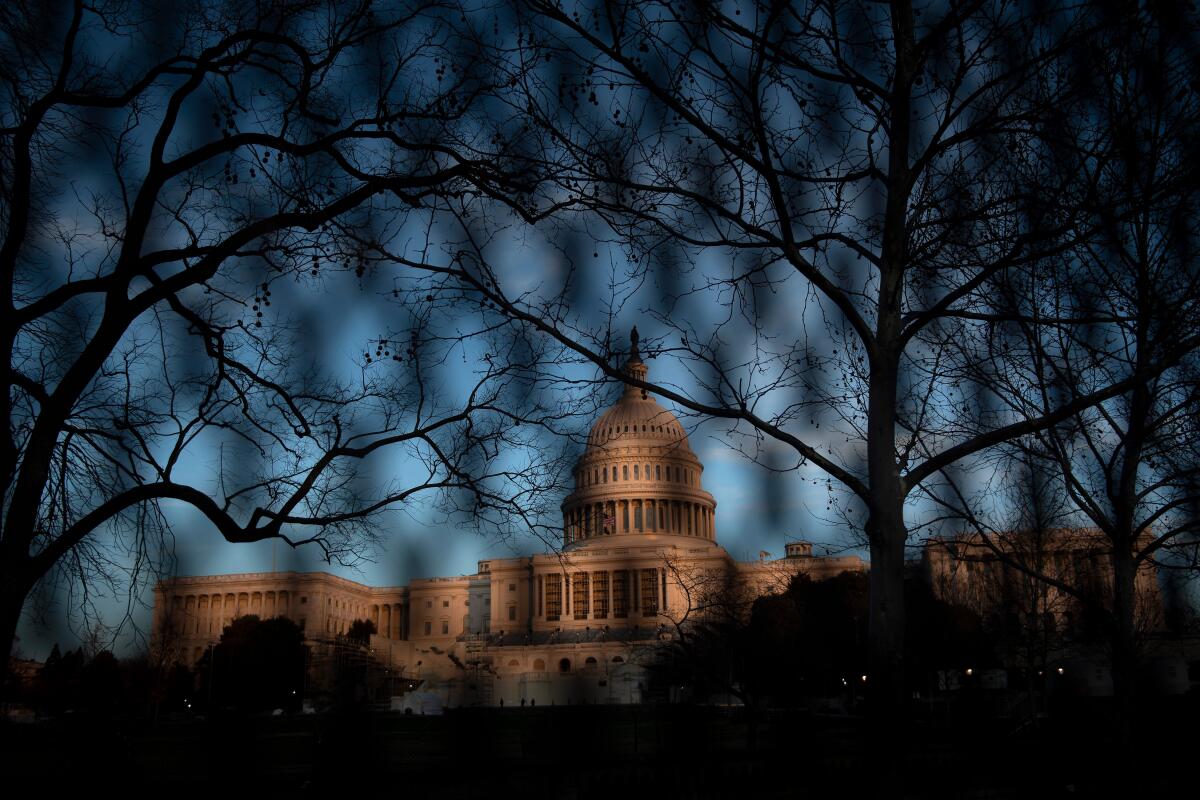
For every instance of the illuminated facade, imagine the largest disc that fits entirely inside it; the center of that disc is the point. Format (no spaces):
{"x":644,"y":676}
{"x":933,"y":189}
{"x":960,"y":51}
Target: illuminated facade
{"x":639,"y":548}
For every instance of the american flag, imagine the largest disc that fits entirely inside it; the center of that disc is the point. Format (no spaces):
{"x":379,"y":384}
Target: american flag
{"x":610,"y":520}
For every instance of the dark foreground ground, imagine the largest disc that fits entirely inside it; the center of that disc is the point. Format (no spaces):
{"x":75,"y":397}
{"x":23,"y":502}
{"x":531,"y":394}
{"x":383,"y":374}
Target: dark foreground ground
{"x":613,"y":753}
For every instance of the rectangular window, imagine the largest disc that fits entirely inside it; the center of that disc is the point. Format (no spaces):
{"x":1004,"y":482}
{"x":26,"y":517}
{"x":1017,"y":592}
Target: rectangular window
{"x":428,"y":628}
{"x":512,"y":613}
{"x":664,"y":589}
{"x":649,"y":593}
{"x":620,"y":593}
{"x":579,"y":594}
{"x":302,"y":621}
{"x":553,"y":597}
{"x":445,"y":604}
{"x":512,"y":587}
{"x":445,"y":627}
{"x":625,"y":516}
{"x":599,"y":595}
{"x":429,"y":604}
{"x":539,"y":596}
{"x":637,"y":517}
{"x":303,"y":600}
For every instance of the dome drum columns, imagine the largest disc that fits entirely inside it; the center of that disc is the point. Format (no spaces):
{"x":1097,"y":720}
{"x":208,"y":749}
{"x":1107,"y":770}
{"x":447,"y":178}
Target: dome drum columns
{"x":638,"y":516}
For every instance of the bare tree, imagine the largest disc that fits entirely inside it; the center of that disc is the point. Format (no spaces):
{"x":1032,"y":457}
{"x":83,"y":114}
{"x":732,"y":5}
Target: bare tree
{"x":707,"y":630}
{"x":810,"y":205}
{"x":1026,"y":616}
{"x":171,"y":178}
{"x":1128,"y":467}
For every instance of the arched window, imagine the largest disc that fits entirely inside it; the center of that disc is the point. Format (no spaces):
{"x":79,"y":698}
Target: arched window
{"x":624,"y":472}
{"x":647,"y":473}
{"x":539,"y":665}
{"x":636,"y":476}
{"x":606,"y":475}
{"x":590,"y":662}
{"x":614,"y":473}
{"x":514,"y":663}
{"x":564,"y":665}
{"x":618,"y":660}
{"x":658,"y":472}
{"x":595,"y":476}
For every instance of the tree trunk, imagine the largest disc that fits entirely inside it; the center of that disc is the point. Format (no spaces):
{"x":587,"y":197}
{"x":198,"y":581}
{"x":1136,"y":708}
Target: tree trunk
{"x":885,"y":677}
{"x":12,"y":602}
{"x":1123,"y":639}
{"x":886,"y":529}
{"x":886,"y":702}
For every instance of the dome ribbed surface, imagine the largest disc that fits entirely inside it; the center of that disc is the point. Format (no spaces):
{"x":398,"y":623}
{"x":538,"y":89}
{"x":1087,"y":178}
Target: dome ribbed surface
{"x":637,"y":420}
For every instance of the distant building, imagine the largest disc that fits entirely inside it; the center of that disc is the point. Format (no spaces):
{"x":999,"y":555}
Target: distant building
{"x":639,"y":551}
{"x":989,"y":580}
{"x":1038,"y":626}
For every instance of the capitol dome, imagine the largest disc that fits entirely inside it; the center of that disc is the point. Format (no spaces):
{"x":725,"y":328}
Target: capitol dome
{"x":638,"y":475}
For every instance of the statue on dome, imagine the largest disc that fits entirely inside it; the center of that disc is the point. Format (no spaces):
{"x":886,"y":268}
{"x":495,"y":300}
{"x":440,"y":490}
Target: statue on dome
{"x":634,"y":355}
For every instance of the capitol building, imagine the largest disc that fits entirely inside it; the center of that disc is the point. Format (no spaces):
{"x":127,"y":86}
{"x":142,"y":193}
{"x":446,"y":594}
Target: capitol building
{"x":639,"y":559}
